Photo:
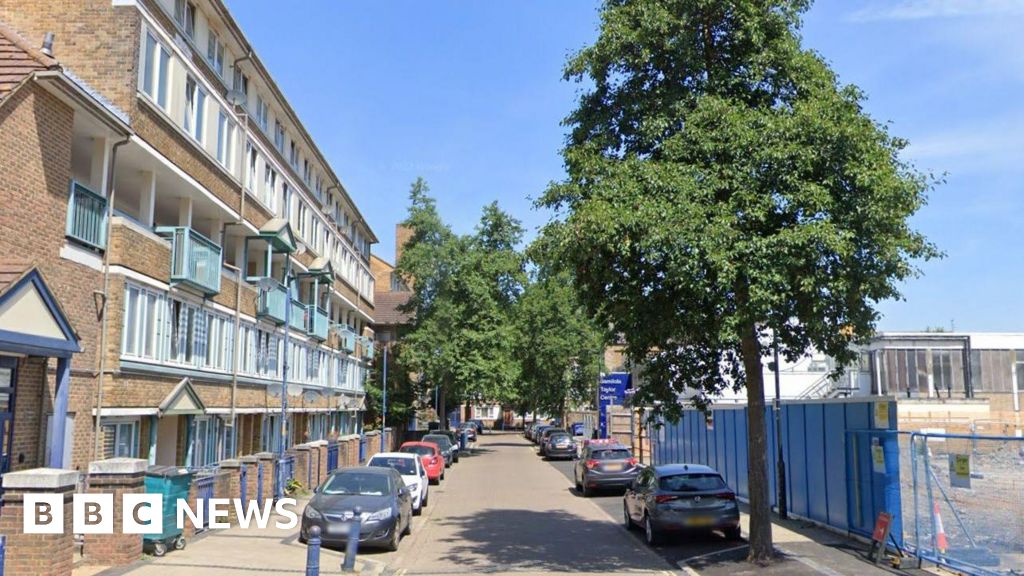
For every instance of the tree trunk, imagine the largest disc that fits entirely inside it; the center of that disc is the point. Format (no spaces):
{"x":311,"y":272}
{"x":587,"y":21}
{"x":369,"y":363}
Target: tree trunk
{"x":761,"y":549}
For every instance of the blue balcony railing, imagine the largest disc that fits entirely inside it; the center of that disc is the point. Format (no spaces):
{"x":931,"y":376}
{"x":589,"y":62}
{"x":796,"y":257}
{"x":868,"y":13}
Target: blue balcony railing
{"x":298,"y":319}
{"x":347,"y":338}
{"x":318,"y":322}
{"x":195,"y":259}
{"x":272,"y":303}
{"x":368,"y":348}
{"x":87,"y":217}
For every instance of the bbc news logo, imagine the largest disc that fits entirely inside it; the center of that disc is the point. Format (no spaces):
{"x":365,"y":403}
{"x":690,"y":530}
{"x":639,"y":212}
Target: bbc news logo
{"x":144,"y":513}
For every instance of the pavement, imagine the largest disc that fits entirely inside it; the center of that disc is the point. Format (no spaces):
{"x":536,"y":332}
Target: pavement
{"x":503,"y":510}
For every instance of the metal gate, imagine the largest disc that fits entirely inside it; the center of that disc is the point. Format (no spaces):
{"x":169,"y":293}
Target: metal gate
{"x":204,"y":493}
{"x":332,"y":457}
{"x":8,"y":376}
{"x":243,"y":476}
{"x":362,"y":448}
{"x":259,"y":484}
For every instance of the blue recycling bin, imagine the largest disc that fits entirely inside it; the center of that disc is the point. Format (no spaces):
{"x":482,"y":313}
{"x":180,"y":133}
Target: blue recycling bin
{"x":463,"y":440}
{"x":172,"y":483}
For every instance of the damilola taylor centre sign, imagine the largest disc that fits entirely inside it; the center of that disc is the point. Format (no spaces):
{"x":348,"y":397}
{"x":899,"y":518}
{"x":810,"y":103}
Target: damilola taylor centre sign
{"x":611,"y":392}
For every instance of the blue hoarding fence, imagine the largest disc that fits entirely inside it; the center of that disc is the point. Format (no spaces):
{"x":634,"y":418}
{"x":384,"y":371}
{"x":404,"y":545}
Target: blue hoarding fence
{"x":818,"y":453}
{"x":611,"y":392}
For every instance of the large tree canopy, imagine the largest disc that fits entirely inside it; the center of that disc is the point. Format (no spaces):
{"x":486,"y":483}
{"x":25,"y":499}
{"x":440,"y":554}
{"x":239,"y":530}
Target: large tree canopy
{"x":725,"y":190}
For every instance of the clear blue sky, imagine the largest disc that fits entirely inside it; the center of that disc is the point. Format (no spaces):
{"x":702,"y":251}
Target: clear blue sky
{"x":469,"y":96}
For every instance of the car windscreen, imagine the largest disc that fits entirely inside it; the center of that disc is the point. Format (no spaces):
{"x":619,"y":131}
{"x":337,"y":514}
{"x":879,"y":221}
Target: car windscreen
{"x":555,"y":438}
{"x":441,"y":441}
{"x":700,"y":482}
{"x":421,"y":450}
{"x":610,"y":454}
{"x":405,"y":466}
{"x":354,"y":482}
{"x":551,"y":431}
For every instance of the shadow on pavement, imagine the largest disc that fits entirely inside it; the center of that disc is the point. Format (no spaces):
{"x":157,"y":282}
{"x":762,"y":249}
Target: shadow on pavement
{"x":541,"y":540}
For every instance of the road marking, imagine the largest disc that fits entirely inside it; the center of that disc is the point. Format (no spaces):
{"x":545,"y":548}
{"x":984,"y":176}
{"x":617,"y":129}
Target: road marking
{"x":809,"y":563}
{"x":691,"y":572}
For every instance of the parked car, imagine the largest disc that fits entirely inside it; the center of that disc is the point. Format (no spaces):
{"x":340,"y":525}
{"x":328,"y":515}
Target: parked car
{"x":430,"y":454}
{"x":530,"y":429}
{"x":603,"y":466}
{"x":479,"y":425}
{"x":538,"y":431}
{"x":559,"y":445}
{"x":384,"y":501}
{"x":678,"y":497}
{"x":546,"y":433}
{"x":470,"y":430}
{"x":412,"y":471}
{"x":443,"y":441}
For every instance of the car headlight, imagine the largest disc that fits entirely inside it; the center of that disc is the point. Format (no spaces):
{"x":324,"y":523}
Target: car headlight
{"x":312,"y":514}
{"x":383,"y":514}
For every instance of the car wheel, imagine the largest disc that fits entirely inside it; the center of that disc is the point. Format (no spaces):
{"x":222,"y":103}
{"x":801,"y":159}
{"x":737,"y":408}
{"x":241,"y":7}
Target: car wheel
{"x":417,"y":510}
{"x":442,"y":475}
{"x":625,"y":516}
{"x":426,"y":498}
{"x":396,"y":537}
{"x":576,"y":480}
{"x":650,"y":535}
{"x":408,"y":527}
{"x":587,"y":492}
{"x":733,"y":533}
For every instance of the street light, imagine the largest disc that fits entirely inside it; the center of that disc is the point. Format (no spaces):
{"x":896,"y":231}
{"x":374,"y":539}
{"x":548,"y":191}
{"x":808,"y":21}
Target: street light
{"x":384,"y":411}
{"x":267,"y":283}
{"x":781,"y":466}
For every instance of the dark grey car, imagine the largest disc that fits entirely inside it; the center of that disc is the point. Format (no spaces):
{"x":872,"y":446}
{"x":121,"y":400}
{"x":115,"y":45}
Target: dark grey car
{"x":381,"y":495}
{"x":444,"y":442}
{"x":681,"y":497}
{"x":560,"y":445}
{"x":604,"y":466}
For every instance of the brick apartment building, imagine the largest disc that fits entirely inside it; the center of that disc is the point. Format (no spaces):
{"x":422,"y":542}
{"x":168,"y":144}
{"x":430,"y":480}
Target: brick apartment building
{"x":162,"y":211}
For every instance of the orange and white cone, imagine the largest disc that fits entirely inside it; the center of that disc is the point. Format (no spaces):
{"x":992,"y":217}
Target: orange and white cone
{"x":940,"y":533}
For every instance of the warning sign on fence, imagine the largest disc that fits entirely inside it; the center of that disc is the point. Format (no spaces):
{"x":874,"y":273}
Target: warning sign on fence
{"x":960,"y":470}
{"x":877,"y":456}
{"x":881,"y":415}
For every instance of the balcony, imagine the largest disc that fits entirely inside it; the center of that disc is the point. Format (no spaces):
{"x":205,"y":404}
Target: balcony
{"x":87,"y":217}
{"x":195,"y":259}
{"x":318,"y":322}
{"x":298,"y":318}
{"x":367,"y":348}
{"x":346,"y":337}
{"x":272,"y":303}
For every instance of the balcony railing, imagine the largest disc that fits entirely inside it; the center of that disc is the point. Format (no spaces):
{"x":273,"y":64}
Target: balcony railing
{"x":272,"y":303}
{"x":318,"y":322}
{"x":367,"y":348}
{"x":298,"y":318}
{"x":195,"y":259}
{"x":87,"y":217}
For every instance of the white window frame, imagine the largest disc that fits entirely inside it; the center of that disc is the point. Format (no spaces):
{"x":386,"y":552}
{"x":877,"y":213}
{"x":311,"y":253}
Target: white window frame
{"x":195,"y":109}
{"x":158,"y":69}
{"x":226,"y":141}
{"x":119,"y":425}
{"x":215,"y":53}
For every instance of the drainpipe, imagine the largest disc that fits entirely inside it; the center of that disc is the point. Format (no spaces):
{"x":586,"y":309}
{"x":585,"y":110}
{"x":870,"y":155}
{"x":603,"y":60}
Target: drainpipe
{"x":104,"y":324}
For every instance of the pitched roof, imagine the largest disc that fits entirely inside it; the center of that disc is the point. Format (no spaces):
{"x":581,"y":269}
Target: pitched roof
{"x":386,"y":308}
{"x":18,"y":59}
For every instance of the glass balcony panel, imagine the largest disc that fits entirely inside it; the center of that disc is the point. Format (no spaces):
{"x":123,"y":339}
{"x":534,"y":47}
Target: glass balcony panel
{"x":87,"y":217}
{"x":195,"y":259}
{"x":272,"y":303}
{"x":318,"y":328}
{"x":298,"y":318}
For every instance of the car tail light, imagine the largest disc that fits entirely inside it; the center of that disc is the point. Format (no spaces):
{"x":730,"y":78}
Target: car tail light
{"x":726,"y":496}
{"x":632,"y":461}
{"x":665,"y":498}
{"x":591,"y":464}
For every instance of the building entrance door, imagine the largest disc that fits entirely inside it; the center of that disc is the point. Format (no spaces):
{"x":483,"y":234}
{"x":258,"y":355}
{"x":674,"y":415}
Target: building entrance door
{"x":8,"y":376}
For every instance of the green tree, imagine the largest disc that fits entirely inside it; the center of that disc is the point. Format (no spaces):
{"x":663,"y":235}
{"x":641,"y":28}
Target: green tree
{"x":464,"y":292}
{"x":725,"y":192}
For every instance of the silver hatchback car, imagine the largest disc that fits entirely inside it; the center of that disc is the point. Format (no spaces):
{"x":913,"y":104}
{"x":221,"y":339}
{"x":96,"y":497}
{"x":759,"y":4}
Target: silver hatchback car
{"x":681,"y":497}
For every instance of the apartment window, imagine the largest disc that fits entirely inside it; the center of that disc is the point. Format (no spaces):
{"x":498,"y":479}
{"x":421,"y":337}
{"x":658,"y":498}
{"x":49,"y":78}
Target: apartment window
{"x":195,"y":106}
{"x":215,"y":53}
{"x":207,"y":429}
{"x":156,"y":70}
{"x":188,"y":333}
{"x":241,"y":83}
{"x":250,"y":174}
{"x":185,"y":14}
{"x":305,"y":174}
{"x":225,"y":141}
{"x":143,"y":323}
{"x":220,"y":342}
{"x":261,"y":113}
{"x":293,"y":155}
{"x":269,"y":187}
{"x":121,"y":439}
{"x":279,"y":136}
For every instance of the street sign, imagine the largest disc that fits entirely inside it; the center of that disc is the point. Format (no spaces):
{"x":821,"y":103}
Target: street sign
{"x":612,"y":392}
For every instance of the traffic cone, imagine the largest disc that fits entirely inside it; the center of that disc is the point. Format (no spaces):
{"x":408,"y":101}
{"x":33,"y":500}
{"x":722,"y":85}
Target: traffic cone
{"x":940,"y":533}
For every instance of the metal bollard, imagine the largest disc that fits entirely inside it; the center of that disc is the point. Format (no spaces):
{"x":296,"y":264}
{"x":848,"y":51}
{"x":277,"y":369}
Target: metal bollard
{"x":313,"y":552}
{"x":352,"y":544}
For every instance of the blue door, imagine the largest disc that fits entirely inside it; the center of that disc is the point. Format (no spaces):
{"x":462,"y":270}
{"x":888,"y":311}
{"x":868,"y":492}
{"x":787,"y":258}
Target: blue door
{"x":8,"y":376}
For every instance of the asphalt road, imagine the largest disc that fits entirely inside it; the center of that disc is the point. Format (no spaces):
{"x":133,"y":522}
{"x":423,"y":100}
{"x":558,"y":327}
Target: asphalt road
{"x":688,"y":548}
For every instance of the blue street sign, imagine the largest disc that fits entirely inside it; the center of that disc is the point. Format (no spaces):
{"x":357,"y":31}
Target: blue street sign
{"x":612,"y":393}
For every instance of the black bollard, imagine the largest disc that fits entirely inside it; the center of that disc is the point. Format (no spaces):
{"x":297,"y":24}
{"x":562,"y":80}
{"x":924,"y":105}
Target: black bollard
{"x":352,"y":544}
{"x":313,"y":552}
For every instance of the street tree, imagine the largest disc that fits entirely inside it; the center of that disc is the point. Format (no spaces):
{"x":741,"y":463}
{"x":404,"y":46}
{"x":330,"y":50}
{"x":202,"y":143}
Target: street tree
{"x":725,"y":193}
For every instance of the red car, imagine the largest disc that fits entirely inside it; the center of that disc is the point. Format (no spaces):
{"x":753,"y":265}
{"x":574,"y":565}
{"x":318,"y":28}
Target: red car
{"x":432,"y":458}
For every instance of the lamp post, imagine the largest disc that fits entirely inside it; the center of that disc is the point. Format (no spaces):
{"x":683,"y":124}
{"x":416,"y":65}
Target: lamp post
{"x":268,"y":283}
{"x":781,"y":466}
{"x":384,"y":411}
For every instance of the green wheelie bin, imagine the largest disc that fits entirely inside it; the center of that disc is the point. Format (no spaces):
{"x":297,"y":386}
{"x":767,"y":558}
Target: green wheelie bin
{"x":172,"y":483}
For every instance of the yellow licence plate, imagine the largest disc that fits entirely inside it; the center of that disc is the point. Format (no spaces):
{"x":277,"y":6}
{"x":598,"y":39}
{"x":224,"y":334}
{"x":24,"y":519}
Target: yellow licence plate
{"x":700,"y":521}
{"x":613,"y":467}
